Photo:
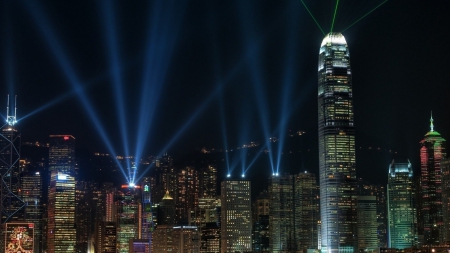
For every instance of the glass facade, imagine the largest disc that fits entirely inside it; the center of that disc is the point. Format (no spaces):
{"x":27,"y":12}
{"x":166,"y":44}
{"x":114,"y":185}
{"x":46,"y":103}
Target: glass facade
{"x":61,"y":228}
{"x":61,"y":232}
{"x":402,"y":219}
{"x":236,"y":223}
{"x":307,"y":212}
{"x":336,"y":146}
{"x":367,"y":223}
{"x":431,"y":153}
{"x":281,"y":213}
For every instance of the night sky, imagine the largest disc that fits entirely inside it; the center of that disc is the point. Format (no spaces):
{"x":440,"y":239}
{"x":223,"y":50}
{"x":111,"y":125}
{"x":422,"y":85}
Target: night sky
{"x":157,"y":76}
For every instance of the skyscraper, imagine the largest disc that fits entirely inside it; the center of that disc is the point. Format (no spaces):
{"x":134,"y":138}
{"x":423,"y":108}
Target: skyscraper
{"x":61,"y":231}
{"x":431,"y":153}
{"x":336,"y":146}
{"x":367,"y":223}
{"x":306,"y":194}
{"x":236,"y":224}
{"x":10,"y":204}
{"x":281,"y":214}
{"x":445,"y":166}
{"x":402,"y":219}
{"x":31,"y":194}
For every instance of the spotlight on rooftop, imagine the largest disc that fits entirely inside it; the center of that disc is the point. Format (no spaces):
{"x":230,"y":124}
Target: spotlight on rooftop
{"x":131,"y":185}
{"x":228,"y":175}
{"x":243,"y":175}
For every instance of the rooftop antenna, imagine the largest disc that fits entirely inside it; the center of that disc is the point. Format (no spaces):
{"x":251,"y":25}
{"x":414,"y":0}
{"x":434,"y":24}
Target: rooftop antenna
{"x":11,"y":119}
{"x":431,"y":122}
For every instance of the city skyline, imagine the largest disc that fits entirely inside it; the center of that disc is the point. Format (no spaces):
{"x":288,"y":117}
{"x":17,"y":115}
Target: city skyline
{"x":216,"y":45}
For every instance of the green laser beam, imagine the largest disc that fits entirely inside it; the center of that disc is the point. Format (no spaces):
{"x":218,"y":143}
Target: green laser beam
{"x":313,"y":18}
{"x":365,"y":15}
{"x":334,"y":16}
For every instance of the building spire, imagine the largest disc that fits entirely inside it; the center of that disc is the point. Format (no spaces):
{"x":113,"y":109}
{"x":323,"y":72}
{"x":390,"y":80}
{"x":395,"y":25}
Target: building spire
{"x":431,"y":122}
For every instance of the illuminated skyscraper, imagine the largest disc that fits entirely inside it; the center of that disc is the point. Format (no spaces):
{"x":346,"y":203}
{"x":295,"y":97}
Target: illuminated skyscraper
{"x":61,"y":230}
{"x":31,"y":194}
{"x":445,"y":166}
{"x":367,"y":223}
{"x":11,"y":205}
{"x":147,"y":214}
{"x":236,"y":224}
{"x":307,"y":213}
{"x":431,"y":153}
{"x":281,"y":214}
{"x":337,"y":165}
{"x":128,"y":217}
{"x":402,"y":219}
{"x":186,"y":197}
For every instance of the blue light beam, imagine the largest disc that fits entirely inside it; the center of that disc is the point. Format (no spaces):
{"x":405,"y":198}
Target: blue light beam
{"x":57,"y":50}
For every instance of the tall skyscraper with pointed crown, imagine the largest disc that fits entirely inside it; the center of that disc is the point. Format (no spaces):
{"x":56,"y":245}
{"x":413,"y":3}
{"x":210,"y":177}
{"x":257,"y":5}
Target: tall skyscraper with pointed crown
{"x":337,"y":167}
{"x":431,"y":217}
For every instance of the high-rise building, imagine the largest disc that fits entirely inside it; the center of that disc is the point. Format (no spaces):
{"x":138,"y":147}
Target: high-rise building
{"x":106,"y":237}
{"x":210,"y":238}
{"x":236,"y":220}
{"x":379,"y":191}
{"x":208,"y":181}
{"x":166,"y":211}
{"x":11,"y":206}
{"x":163,"y":178}
{"x":402,"y":219}
{"x":187,"y":194}
{"x":186,"y":239}
{"x":337,"y":163}
{"x":431,"y":153}
{"x":367,"y":223}
{"x":307,"y":213}
{"x":31,"y":194}
{"x":281,"y":214}
{"x":147,"y":214}
{"x":61,"y":229}
{"x":445,"y":167}
{"x":261,"y":205}
{"x":128,"y":217}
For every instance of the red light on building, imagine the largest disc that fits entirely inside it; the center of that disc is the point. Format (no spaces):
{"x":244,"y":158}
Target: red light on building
{"x":66,"y":138}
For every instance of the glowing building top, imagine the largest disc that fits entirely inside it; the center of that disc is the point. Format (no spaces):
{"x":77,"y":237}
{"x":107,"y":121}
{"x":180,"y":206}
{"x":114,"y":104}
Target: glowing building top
{"x":167,"y":196}
{"x":11,"y":120}
{"x":334,"y":38}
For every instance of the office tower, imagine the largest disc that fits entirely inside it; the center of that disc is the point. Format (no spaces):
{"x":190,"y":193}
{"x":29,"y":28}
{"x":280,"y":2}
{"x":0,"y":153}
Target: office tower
{"x":106,"y":237}
{"x":11,"y":206}
{"x":261,"y":234}
{"x":307,"y":213}
{"x":337,"y":166}
{"x":445,"y":166}
{"x":206,"y":219}
{"x":163,"y":178}
{"x":147,"y":214}
{"x":162,"y":239}
{"x":166,"y":211}
{"x":431,"y":153}
{"x":31,"y":194}
{"x":236,"y":220}
{"x":367,"y":223}
{"x":186,"y":197}
{"x":84,"y":214}
{"x":368,"y":189}
{"x":210,"y":238}
{"x":128,"y":217}
{"x":208,"y":181}
{"x":186,"y":239}
{"x":402,"y":220}
{"x":261,"y":205}
{"x":281,"y":214}
{"x":61,"y":230}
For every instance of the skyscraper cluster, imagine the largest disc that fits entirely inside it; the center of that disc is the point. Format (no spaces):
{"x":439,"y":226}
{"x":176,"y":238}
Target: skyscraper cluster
{"x":183,"y":209}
